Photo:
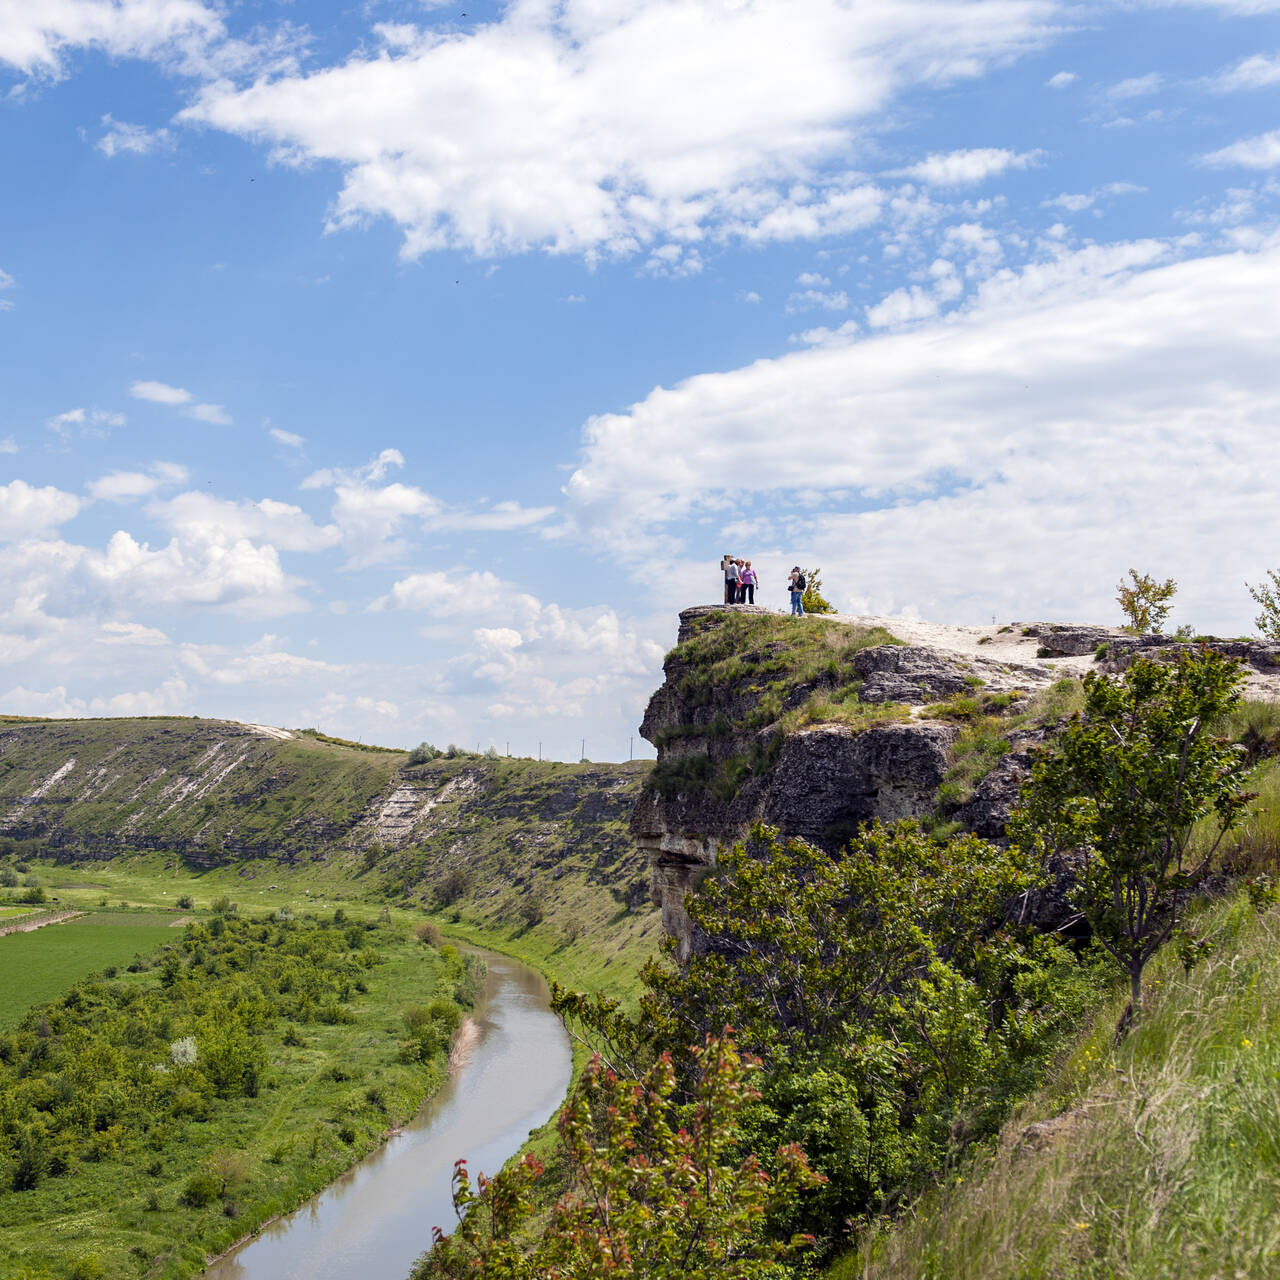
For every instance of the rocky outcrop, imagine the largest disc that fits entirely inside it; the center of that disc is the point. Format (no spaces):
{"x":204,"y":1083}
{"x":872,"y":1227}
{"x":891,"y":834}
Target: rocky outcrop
{"x":720,"y":769}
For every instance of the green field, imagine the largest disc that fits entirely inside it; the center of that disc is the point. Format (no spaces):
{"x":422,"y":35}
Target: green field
{"x":329,"y":1093}
{"x":42,"y":964}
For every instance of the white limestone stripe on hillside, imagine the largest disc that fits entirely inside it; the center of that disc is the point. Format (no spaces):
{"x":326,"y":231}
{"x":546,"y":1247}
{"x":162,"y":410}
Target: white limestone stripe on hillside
{"x":51,"y":781}
{"x":402,"y":811}
{"x":187,"y":788}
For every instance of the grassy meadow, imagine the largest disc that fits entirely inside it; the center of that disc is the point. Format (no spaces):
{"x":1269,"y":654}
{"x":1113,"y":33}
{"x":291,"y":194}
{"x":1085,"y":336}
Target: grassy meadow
{"x":42,"y":964}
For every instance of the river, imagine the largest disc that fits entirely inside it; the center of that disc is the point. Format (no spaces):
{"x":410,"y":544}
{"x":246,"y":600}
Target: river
{"x":376,"y":1219}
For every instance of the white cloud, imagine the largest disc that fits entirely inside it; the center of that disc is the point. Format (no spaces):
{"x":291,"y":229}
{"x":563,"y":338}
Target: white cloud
{"x":88,"y":423}
{"x":901,"y":307}
{"x":131,"y":633}
{"x":286,"y":438}
{"x":34,"y":38}
{"x":1258,"y":71}
{"x":1060,"y":396}
{"x":120,"y":138}
{"x":747,"y":295}
{"x":160,"y":393}
{"x":1137,"y":86}
{"x":123,"y":486}
{"x":1262,"y":152}
{"x":181,"y":398}
{"x":8,"y":445}
{"x":6,"y":282}
{"x":373,"y":519}
{"x":1077,"y":202}
{"x":1062,"y":80}
{"x":964,"y":168}
{"x":548,"y":127}
{"x":211,"y":413}
{"x":27,"y":512}
{"x":202,"y":519}
{"x":808,"y":299}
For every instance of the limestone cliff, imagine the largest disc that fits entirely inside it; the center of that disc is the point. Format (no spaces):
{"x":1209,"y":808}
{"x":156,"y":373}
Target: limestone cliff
{"x":818,"y":725}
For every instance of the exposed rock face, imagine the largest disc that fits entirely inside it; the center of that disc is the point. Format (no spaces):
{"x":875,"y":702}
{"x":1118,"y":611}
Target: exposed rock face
{"x":819,"y":782}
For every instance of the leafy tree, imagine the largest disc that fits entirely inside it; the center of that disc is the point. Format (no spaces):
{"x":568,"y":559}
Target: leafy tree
{"x":812,"y":599}
{"x":659,"y":1190}
{"x":1128,"y":783}
{"x":888,"y":1002}
{"x":1267,"y":596}
{"x":1145,"y":602}
{"x":423,"y":753}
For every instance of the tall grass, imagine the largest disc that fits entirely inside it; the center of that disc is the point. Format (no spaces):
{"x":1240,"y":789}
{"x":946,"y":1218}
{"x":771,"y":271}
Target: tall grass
{"x":1155,"y":1160}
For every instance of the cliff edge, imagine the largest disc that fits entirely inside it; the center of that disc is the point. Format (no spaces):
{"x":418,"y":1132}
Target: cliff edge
{"x":817,"y":725}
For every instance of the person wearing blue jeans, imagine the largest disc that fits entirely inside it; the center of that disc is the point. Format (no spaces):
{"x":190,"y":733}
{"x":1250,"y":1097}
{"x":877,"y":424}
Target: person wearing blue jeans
{"x":796,"y":585}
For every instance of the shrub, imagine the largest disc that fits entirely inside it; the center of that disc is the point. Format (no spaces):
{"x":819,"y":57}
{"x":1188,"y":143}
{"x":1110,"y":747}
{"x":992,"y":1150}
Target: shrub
{"x":186,"y":902}
{"x":429,"y":932}
{"x":1267,"y":596}
{"x":223,"y":906}
{"x":424,"y":752}
{"x":1145,"y":602}
{"x":35,"y":895}
{"x":202,"y":1188}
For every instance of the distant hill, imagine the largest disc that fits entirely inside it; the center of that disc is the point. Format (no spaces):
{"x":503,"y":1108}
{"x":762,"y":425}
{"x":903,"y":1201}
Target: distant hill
{"x":216,"y":792}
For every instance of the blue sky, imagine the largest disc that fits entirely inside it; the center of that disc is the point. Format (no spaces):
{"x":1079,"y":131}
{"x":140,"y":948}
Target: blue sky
{"x":402,"y":368}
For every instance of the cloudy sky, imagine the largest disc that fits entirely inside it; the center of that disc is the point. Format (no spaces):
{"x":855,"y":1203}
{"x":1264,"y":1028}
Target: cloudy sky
{"x":402,"y":367}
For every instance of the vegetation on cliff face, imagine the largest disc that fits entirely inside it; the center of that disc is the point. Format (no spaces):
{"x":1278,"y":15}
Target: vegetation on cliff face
{"x":1156,"y":1158}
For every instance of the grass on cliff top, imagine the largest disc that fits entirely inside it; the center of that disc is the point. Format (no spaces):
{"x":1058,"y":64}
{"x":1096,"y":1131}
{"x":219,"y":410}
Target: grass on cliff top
{"x":766,"y":649}
{"x":1158,"y":1159}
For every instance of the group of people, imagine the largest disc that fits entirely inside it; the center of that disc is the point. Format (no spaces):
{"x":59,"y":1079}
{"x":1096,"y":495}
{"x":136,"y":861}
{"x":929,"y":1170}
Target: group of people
{"x":739,"y":580}
{"x":740,"y":583}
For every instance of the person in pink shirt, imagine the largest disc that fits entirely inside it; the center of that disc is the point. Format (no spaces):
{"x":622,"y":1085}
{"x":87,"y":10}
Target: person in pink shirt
{"x":747,"y":584}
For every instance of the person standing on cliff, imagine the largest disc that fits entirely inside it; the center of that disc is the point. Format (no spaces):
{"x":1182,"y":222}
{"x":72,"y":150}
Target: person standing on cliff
{"x":796,"y":585}
{"x":747,"y":589}
{"x":730,"y":567}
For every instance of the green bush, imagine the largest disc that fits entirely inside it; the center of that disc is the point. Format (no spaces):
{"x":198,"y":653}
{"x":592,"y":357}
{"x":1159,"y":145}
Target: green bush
{"x":201,"y":1189}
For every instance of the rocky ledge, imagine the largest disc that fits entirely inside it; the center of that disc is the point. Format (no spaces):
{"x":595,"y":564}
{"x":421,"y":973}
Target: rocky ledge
{"x":817,"y":726}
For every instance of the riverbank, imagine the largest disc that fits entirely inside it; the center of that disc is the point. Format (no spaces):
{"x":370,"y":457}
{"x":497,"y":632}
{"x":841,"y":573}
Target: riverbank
{"x":176,"y":1172}
{"x":509,"y":1073}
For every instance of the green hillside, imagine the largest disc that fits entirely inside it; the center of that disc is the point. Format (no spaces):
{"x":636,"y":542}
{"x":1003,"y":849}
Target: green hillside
{"x":1154,"y":1159}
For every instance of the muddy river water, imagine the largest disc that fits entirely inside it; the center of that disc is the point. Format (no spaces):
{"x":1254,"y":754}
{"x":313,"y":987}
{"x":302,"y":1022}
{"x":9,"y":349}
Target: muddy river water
{"x":376,"y":1219}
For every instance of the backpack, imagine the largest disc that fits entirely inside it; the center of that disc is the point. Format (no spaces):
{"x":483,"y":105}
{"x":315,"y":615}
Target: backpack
{"x":800,"y":582}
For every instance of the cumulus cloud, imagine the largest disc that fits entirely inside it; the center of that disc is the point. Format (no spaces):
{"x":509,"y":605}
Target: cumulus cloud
{"x":1062,"y":80}
{"x":374,"y":520}
{"x":203,"y":519}
{"x":124,"y":486}
{"x":1262,"y":152}
{"x":120,"y":138}
{"x":28,"y":512}
{"x":965,"y":168}
{"x":593,"y":128}
{"x":35,"y":38}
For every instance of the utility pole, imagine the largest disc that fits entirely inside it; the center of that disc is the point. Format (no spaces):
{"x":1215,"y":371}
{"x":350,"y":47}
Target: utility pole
{"x":539,"y":752}
{"x":583,"y":754}
{"x":631,"y":747}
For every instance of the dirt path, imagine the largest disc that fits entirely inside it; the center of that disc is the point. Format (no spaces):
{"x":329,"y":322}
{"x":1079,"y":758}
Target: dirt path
{"x":26,"y":926}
